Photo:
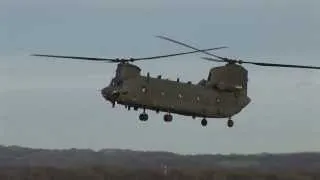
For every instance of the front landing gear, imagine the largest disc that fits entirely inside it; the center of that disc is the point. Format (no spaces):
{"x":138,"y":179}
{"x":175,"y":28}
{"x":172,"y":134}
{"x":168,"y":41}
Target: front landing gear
{"x":230,"y":122}
{"x":204,"y":122}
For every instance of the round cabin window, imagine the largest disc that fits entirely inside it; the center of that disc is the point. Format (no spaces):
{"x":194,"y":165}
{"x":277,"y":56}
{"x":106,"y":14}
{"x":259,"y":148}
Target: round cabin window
{"x":144,"y":89}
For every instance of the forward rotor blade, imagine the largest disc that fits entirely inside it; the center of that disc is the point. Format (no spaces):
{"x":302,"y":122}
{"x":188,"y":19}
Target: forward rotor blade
{"x":186,"y":45}
{"x":270,"y":64}
{"x":129,"y":59}
{"x":211,"y":59}
{"x":76,"y":57}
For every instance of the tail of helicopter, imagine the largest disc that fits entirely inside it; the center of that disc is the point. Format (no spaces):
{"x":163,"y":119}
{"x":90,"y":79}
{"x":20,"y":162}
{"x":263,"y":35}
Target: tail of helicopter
{"x":230,"y":77}
{"x":230,"y":82}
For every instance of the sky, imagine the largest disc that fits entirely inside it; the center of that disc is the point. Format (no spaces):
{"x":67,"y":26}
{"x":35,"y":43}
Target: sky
{"x":52,"y":103}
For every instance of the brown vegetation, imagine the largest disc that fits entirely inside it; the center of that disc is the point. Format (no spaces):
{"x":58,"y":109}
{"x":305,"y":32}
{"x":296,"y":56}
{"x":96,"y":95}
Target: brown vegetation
{"x":18,"y":163}
{"x":106,"y":173}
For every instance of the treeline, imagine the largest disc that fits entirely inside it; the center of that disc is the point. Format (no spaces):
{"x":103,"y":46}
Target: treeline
{"x":113,"y":173}
{"x":15,"y":156}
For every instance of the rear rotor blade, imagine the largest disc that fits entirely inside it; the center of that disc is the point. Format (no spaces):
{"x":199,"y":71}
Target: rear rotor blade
{"x":223,"y":59}
{"x":269,"y":64}
{"x":186,"y":45}
{"x":282,"y":65}
{"x":178,"y":54}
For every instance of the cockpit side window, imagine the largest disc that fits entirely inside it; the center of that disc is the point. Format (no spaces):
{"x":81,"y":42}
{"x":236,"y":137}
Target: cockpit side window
{"x":119,"y":83}
{"x":116,"y":83}
{"x":113,"y":83}
{"x":209,"y":76}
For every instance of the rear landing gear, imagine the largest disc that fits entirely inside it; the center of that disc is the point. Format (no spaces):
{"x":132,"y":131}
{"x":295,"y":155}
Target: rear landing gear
{"x":143,"y":116}
{"x":230,"y":122}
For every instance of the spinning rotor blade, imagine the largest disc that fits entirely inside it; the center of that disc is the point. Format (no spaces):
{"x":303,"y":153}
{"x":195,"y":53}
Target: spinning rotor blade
{"x":177,"y":54}
{"x":272,"y":64}
{"x":116,"y":60}
{"x":76,"y":57}
{"x":223,"y":59}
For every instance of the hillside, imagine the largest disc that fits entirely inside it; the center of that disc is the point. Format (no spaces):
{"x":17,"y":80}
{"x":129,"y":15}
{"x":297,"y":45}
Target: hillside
{"x":15,"y":156}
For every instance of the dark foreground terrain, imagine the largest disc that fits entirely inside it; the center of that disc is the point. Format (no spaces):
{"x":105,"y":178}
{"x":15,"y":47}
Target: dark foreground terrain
{"x":26,"y":163}
{"x":101,"y":173}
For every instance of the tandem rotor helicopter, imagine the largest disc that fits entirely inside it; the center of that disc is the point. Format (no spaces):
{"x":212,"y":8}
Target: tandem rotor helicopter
{"x":222,"y":94}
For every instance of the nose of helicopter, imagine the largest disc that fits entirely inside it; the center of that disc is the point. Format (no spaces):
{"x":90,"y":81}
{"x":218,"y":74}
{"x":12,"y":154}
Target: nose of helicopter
{"x":247,"y":101}
{"x":110,"y":94}
{"x":105,"y":92}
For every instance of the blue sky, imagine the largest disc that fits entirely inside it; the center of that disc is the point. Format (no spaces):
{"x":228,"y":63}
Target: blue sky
{"x":57,"y":104}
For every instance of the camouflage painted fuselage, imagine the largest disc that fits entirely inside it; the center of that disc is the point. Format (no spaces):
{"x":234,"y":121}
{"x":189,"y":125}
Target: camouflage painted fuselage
{"x":222,"y":95}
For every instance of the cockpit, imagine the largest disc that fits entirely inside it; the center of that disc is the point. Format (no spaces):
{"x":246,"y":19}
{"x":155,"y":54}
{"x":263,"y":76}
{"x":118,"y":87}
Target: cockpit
{"x":126,"y":71}
{"x":116,"y":82}
{"x":202,"y":82}
{"x":209,"y":76}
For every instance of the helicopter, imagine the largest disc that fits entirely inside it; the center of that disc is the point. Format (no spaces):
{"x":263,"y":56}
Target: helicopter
{"x":222,"y":94}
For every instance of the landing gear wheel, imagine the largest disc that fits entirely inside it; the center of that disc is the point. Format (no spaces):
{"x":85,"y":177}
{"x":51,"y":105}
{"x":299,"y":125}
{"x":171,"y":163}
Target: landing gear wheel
{"x":204,"y":122}
{"x":230,"y":123}
{"x":167,"y":117}
{"x":143,"y":117}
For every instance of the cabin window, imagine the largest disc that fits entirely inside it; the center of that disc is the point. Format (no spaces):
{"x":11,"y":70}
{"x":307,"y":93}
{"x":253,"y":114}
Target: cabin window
{"x":144,"y":89}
